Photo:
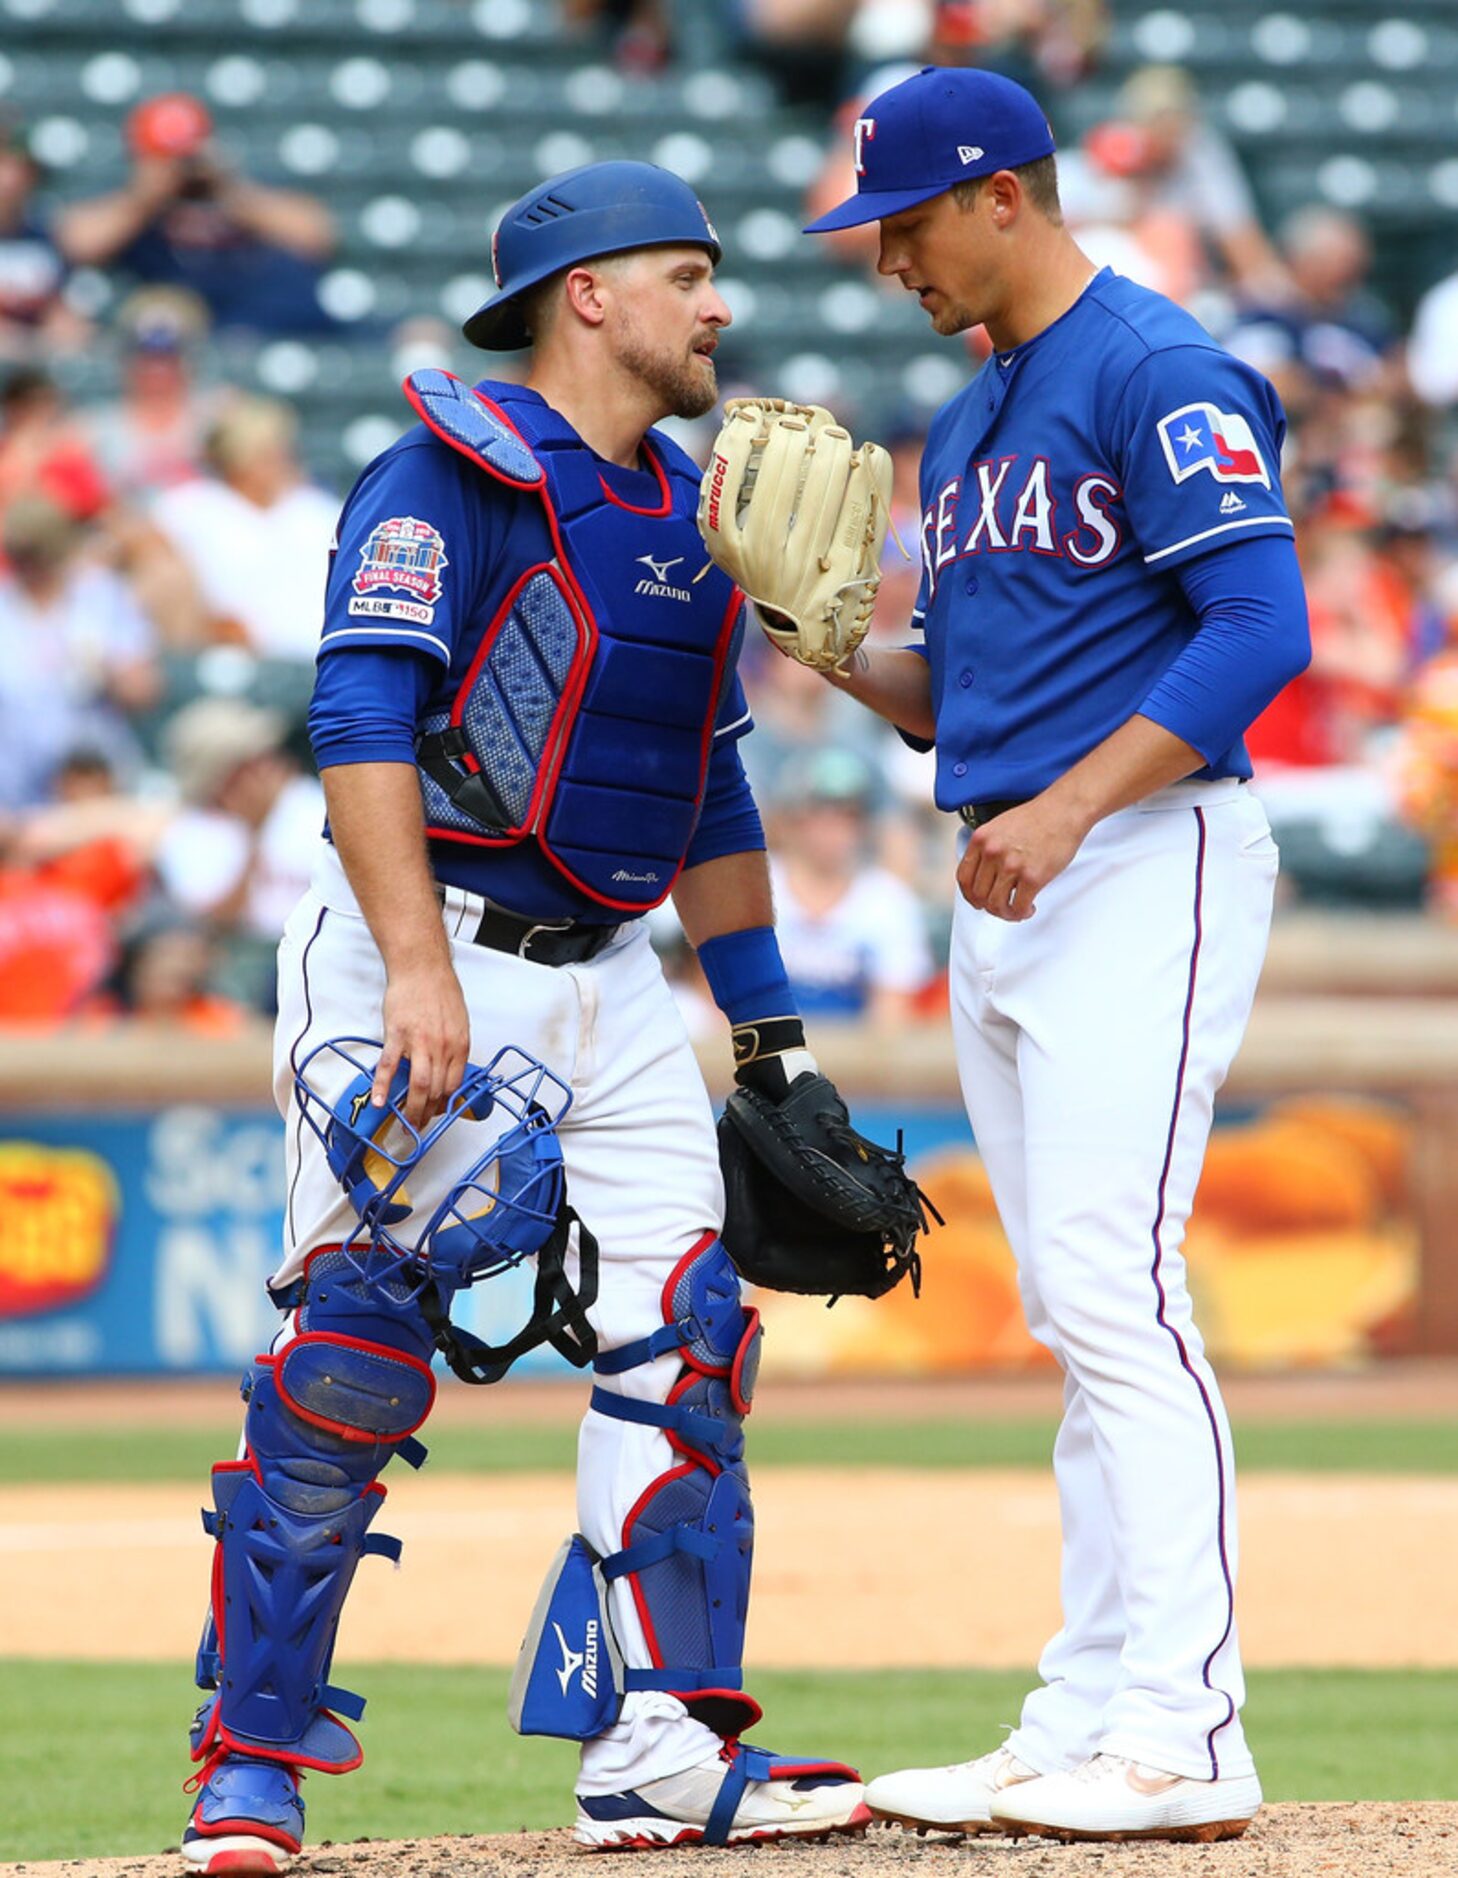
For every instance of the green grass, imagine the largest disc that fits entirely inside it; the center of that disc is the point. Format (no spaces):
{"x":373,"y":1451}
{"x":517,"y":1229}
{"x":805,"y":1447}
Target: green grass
{"x":98,"y":1764}
{"x":143,"y":1454}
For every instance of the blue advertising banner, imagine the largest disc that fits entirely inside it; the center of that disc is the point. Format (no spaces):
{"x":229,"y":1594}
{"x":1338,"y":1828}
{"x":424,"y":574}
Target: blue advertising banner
{"x":140,"y":1243}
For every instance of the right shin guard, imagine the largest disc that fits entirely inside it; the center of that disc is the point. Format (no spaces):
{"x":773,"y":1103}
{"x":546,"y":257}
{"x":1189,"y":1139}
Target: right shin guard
{"x":342,"y":1394}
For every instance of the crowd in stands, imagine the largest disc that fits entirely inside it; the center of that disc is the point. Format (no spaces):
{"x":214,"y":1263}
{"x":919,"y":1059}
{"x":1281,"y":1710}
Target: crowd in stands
{"x":162,"y":555}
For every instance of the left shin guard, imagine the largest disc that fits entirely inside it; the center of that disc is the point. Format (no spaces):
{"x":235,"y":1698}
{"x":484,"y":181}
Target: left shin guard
{"x":326,"y":1411}
{"x":688,"y":1542}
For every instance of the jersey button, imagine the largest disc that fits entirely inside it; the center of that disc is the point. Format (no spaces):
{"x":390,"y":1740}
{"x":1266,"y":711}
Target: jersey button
{"x":965,"y":680}
{"x":959,"y":769}
{"x":972,"y":584}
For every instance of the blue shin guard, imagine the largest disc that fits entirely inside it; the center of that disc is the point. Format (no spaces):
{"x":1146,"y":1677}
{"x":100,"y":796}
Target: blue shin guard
{"x":326,"y":1411}
{"x":688,"y":1542}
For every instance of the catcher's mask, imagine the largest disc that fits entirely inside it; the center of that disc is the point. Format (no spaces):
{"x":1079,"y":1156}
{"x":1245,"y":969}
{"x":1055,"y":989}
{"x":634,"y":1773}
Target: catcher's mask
{"x":509,"y":1205}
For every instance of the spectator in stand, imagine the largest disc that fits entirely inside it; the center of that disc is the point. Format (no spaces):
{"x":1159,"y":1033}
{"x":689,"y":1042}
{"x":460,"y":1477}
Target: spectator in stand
{"x":76,"y":652}
{"x":1331,"y":323}
{"x":1426,"y":772}
{"x":61,"y":899}
{"x":1432,"y":350}
{"x":163,"y":980}
{"x":255,"y":533}
{"x":852,"y":934}
{"x":242,"y":851}
{"x":153,"y":437}
{"x":641,"y":30}
{"x":1170,"y":188}
{"x":1046,"y":45}
{"x":34,"y":317}
{"x":44,"y":450}
{"x":795,"y":710}
{"x":253,"y":254}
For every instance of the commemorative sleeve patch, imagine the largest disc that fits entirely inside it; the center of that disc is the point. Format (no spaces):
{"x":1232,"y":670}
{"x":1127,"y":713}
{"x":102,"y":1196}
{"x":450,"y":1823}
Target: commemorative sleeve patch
{"x":1203,"y":437}
{"x":400,"y":571}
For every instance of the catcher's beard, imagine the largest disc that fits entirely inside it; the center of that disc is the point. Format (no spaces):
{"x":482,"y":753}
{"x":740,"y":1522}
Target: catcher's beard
{"x":688,"y":387}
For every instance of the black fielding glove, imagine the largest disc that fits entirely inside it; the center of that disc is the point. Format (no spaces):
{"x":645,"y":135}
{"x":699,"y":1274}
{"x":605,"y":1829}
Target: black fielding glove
{"x":810,"y":1205}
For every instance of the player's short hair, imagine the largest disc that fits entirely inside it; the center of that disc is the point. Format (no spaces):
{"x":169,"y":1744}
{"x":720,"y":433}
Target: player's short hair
{"x":1040,"y":185}
{"x":540,"y":304}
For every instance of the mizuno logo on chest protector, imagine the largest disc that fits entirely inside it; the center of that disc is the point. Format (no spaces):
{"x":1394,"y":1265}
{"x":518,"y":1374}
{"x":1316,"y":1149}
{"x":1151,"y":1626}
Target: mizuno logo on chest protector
{"x":659,"y":588}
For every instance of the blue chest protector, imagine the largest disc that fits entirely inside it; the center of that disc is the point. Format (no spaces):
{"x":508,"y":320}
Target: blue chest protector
{"x":585,"y":717}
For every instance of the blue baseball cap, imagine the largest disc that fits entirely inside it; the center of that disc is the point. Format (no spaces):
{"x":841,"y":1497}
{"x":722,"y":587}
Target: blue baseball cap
{"x":938,"y":128}
{"x":601,"y":208}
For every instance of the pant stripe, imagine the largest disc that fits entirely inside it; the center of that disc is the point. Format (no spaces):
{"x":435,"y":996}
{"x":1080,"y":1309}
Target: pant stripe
{"x":294,"y":1062}
{"x":1179,"y":1341}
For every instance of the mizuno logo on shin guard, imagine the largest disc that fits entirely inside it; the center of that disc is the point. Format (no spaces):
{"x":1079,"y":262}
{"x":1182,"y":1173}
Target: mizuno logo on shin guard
{"x":585,"y":1660}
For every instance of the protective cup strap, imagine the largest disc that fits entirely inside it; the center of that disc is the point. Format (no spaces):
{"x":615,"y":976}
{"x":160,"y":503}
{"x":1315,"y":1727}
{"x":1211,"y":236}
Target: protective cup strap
{"x":559,"y":1314}
{"x":703,"y":1432}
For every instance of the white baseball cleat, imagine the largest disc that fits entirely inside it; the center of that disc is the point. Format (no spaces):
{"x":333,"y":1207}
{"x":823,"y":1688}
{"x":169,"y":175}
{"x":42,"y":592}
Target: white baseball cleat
{"x":1109,"y":1797}
{"x":948,"y":1799}
{"x":801,"y":1801}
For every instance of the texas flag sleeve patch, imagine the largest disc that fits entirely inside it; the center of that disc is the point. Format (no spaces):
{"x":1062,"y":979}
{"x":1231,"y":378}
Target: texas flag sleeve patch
{"x":1203,"y":437}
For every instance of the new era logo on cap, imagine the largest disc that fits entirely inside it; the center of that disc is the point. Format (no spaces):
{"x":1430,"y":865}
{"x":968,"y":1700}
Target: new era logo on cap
{"x":969,"y":152}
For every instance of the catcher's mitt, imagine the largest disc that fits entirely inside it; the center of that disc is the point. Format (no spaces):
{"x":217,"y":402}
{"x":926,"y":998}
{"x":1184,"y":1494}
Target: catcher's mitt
{"x":809,"y":1204}
{"x":795,"y":514}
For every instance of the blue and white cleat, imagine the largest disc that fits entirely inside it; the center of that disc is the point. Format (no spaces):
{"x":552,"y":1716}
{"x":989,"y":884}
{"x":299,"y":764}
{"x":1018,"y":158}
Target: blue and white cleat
{"x":248,"y":1818}
{"x":742,"y":1794}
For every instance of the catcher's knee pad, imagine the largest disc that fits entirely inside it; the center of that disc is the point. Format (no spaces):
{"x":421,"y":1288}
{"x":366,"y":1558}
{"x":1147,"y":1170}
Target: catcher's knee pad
{"x":327,"y":1409}
{"x":688,"y":1541}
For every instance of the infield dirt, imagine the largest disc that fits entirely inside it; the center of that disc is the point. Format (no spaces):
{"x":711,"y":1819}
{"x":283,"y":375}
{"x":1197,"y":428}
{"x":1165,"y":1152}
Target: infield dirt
{"x":1333,"y":1841}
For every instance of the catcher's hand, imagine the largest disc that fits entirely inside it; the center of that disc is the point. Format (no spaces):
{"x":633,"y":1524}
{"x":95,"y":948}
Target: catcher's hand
{"x":810,"y":1205}
{"x":795,"y":514}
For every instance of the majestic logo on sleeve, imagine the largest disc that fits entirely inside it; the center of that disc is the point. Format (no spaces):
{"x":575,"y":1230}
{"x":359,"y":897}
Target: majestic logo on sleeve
{"x":1203,"y":437}
{"x":400,"y":570}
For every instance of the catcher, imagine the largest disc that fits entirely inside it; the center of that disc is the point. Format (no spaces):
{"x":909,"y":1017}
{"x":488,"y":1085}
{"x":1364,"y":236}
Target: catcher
{"x":527,"y":741}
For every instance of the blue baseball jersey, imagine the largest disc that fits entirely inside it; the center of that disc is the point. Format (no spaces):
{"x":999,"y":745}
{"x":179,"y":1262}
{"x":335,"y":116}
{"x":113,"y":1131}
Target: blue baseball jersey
{"x":1062,"y":491}
{"x":424,"y":539}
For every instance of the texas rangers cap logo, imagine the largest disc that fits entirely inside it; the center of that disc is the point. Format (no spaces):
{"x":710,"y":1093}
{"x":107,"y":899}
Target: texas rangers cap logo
{"x":404,"y":553}
{"x":1203,"y":437}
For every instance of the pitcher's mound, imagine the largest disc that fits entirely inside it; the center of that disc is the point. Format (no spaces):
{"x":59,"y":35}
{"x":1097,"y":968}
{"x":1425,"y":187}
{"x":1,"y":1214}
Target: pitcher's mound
{"x":1387,"y":1840}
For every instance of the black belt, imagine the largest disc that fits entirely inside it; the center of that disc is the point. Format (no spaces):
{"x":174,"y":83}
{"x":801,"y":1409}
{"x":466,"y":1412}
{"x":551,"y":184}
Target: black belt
{"x":543,"y":942}
{"x":975,"y":814}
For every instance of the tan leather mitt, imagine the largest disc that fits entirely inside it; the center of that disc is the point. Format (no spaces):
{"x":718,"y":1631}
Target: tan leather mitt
{"x":795,"y":514}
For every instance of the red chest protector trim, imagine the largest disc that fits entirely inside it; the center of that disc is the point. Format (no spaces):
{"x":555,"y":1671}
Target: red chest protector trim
{"x":585,"y":719}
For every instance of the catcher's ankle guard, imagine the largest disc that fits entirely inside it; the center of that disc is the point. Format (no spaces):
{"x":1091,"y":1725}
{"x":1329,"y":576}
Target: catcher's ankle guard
{"x":687,"y":1542}
{"x":326,"y":1411}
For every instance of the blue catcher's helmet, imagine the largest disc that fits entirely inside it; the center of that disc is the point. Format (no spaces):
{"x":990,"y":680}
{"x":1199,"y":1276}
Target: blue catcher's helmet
{"x":503,"y":1208}
{"x":601,"y":208}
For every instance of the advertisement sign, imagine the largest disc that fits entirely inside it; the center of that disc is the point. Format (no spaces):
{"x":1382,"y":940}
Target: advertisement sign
{"x":139,"y":1244}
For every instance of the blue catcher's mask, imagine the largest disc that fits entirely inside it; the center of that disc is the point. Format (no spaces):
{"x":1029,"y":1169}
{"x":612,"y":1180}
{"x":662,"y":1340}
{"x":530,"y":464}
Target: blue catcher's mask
{"x":504,"y":1207}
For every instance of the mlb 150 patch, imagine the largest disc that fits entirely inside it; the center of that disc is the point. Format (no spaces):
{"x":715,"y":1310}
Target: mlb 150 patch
{"x":399,"y":576}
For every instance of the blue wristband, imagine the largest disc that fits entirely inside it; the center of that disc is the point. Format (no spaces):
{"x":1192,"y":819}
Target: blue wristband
{"x":747,"y":975}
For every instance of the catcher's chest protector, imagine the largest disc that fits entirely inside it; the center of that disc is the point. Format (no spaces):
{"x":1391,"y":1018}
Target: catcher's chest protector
{"x":586,"y":716}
